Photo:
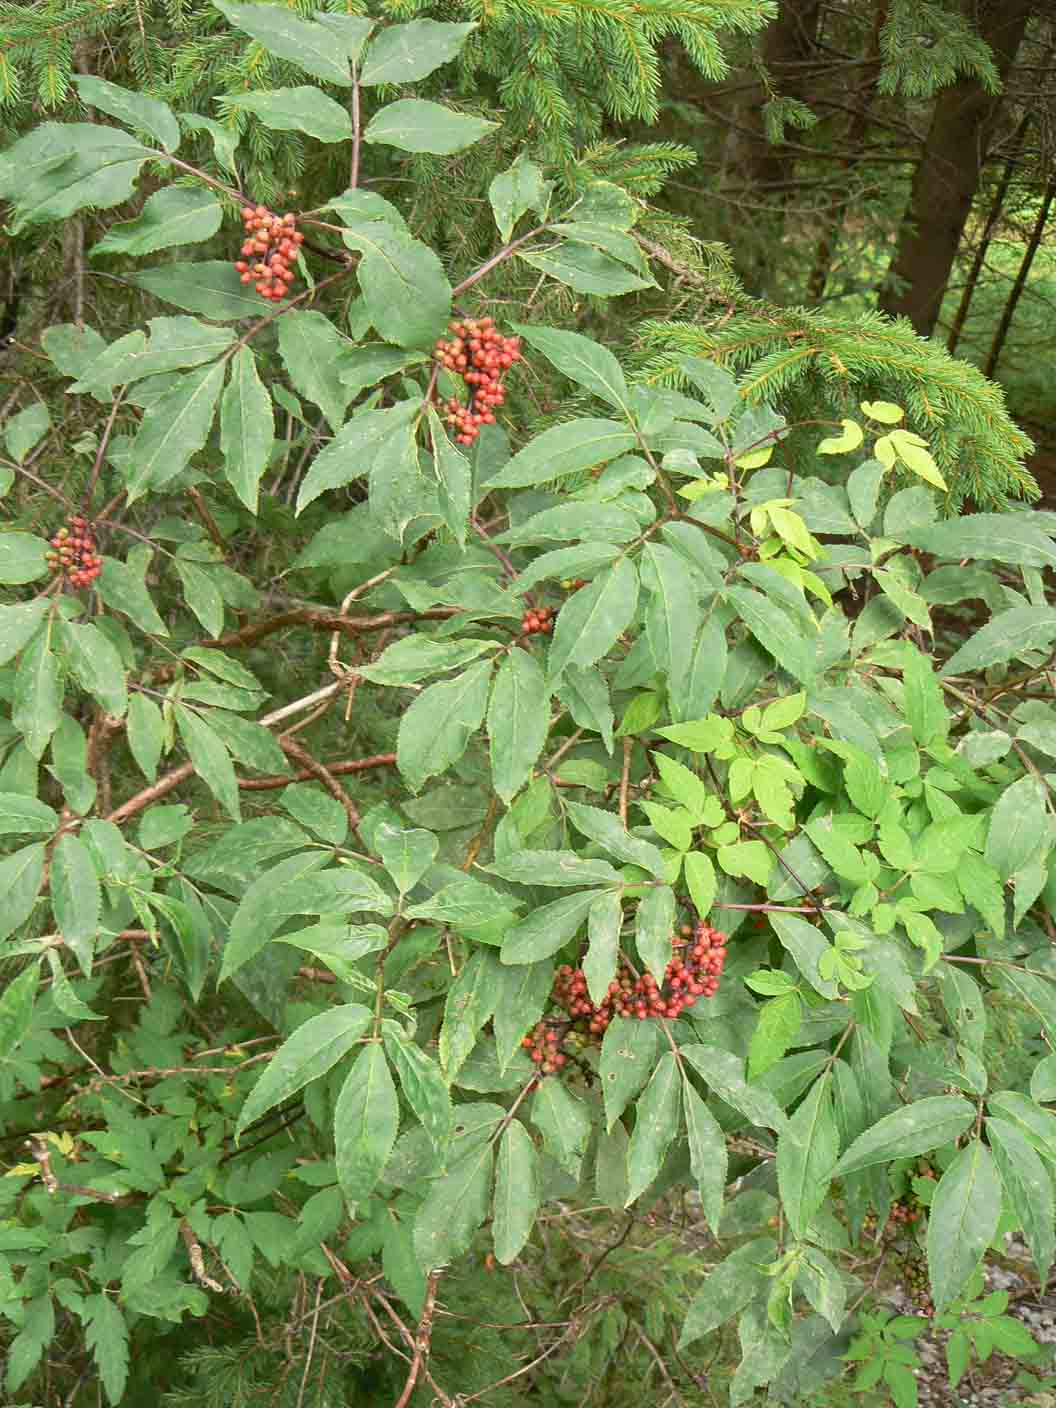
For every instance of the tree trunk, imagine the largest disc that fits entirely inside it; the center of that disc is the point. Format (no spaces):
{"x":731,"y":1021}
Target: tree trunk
{"x":856,"y":134}
{"x":962,"y":127}
{"x":754,"y":166}
{"x":1020,"y":284}
{"x":997,"y":206}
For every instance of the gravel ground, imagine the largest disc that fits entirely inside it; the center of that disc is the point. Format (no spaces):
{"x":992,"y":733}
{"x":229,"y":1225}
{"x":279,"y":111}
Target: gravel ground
{"x":989,"y":1385}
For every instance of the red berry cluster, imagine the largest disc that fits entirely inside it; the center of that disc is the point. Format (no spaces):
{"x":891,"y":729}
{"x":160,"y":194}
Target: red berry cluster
{"x":75,"y":553}
{"x":543,"y":1044}
{"x":537,"y":621}
{"x":271,"y":243}
{"x":481,"y":356}
{"x":691,"y":974}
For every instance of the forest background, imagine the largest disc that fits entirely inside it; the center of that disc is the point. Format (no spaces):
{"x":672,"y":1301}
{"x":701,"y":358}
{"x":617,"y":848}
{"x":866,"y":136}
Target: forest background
{"x":800,"y":174}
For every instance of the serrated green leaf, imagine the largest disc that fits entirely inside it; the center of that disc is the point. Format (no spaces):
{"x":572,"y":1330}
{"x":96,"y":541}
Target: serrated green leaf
{"x":914,"y":1129}
{"x":516,"y":1193}
{"x":962,"y":1220}
{"x":281,"y":32}
{"x":656,"y":1123}
{"x":436,"y":729}
{"x":366,"y":1118}
{"x":316,"y":1046}
{"x":247,"y":428}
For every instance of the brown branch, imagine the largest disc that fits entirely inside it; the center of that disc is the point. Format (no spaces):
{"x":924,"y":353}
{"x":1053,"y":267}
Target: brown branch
{"x":208,"y":521}
{"x":422,"y":1339}
{"x":267,"y":784}
{"x":197,"y":1260}
{"x":321,"y":774}
{"x":326,"y":621}
{"x":625,"y":779}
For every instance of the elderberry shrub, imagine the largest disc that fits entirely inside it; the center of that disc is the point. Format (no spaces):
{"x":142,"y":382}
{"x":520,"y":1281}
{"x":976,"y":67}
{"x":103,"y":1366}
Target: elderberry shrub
{"x":74,"y":553}
{"x":271,"y":245}
{"x":481,"y":356}
{"x":691,"y":974}
{"x":537,"y":620}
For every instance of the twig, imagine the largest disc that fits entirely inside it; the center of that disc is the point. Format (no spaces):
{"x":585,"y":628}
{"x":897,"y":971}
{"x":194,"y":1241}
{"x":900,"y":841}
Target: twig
{"x":422,"y":1339}
{"x":473,"y":850}
{"x":311,"y":1343}
{"x":265,"y":784}
{"x":197,"y":1260}
{"x":625,"y":779}
{"x":100,"y":455}
{"x":323,"y":775}
{"x":658,"y":1361}
{"x":357,"y":135}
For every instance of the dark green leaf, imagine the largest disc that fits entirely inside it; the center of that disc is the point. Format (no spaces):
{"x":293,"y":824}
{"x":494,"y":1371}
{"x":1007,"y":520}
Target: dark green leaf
{"x":309,"y":45}
{"x":366,"y":1118}
{"x":914,"y":1129}
{"x":310,"y":1052}
{"x":962,"y":1220}
{"x":655,"y":1126}
{"x":516,"y":1193}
